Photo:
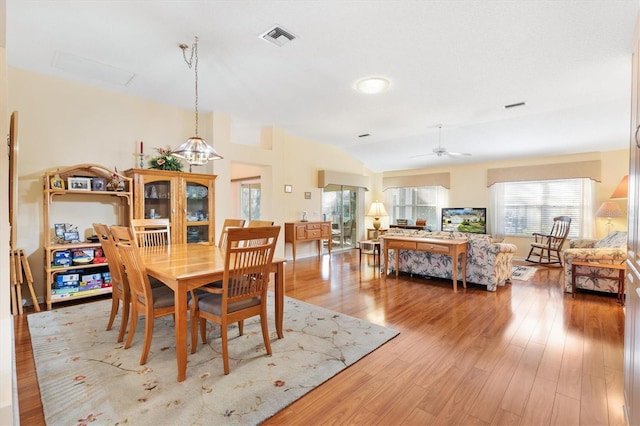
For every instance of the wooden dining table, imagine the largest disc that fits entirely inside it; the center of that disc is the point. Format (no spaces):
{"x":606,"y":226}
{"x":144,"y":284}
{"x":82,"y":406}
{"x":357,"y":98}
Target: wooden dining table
{"x":184,"y":267}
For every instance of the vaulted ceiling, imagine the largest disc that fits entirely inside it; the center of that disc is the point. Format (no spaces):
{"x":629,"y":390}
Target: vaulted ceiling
{"x":450,"y":63}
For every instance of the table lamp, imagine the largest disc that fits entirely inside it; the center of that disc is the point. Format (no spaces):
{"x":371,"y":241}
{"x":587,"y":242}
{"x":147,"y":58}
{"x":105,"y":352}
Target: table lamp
{"x":376,"y":211}
{"x":622,"y":190}
{"x":609,"y":210}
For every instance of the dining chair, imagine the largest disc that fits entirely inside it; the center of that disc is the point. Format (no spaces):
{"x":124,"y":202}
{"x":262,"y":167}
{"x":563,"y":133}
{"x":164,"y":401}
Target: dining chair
{"x":149,"y":302}
{"x":243,"y":290}
{"x":229,"y":223}
{"x":151,"y":232}
{"x":119,"y":284}
{"x":259,"y":223}
{"x":547,"y":248}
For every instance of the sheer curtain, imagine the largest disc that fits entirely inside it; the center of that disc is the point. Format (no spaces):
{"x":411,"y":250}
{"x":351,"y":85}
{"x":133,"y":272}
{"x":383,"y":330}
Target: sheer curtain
{"x":496,"y":223}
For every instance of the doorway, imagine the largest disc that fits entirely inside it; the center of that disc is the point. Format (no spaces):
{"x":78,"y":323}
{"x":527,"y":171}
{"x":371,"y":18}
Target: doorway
{"x":339,"y":206}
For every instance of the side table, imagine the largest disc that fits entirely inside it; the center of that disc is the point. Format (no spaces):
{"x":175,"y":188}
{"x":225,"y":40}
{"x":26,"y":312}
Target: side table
{"x":621,"y":267}
{"x":369,"y":247}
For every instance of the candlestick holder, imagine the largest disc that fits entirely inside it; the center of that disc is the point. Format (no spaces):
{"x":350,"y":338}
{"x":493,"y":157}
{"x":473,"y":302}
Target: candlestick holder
{"x":141,"y":155}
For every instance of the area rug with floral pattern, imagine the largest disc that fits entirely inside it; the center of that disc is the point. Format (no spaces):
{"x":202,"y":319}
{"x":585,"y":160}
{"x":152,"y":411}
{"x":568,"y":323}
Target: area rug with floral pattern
{"x":523,"y":273}
{"x":85,"y":376}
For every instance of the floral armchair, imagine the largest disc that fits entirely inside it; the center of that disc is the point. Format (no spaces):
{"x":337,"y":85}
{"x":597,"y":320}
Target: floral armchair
{"x":610,"y":249}
{"x":488,"y":263}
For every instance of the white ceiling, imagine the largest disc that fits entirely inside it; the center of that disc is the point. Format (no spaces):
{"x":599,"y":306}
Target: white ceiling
{"x":455,"y":63}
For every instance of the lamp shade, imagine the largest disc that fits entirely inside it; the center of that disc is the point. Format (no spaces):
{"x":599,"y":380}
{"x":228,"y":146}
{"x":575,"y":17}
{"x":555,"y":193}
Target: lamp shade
{"x":609,"y":209}
{"x":377,"y":210}
{"x":622,"y":190}
{"x":196,"y":151}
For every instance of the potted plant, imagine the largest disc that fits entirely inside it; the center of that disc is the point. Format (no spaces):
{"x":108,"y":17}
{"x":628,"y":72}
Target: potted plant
{"x":165,"y":161}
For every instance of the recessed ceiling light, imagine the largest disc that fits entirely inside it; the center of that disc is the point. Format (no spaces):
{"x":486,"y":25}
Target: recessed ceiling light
{"x":372,"y":85}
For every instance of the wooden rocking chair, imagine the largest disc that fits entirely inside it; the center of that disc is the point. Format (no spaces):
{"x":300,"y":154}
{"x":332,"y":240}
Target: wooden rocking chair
{"x":546,"y":248}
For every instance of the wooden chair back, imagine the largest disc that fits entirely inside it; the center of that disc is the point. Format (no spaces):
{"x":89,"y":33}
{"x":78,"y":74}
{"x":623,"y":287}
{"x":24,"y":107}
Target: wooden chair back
{"x":259,"y":223}
{"x":559,"y":232}
{"x":546,"y":248}
{"x":248,"y":258}
{"x":229,"y":223}
{"x":132,"y":261}
{"x":119,"y":284}
{"x":118,"y":277}
{"x":144,"y":300}
{"x":242,"y":293}
{"x":151,"y":232}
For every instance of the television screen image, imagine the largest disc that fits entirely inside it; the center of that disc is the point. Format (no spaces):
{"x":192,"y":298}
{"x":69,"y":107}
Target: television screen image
{"x":473,"y":220}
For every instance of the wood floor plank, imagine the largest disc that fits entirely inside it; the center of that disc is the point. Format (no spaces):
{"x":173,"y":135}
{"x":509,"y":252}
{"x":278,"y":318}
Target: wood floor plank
{"x":486,"y":404}
{"x":566,"y":411}
{"x":470,"y":352}
{"x":615,"y":396}
{"x":554,"y":349}
{"x":419,"y":417}
{"x":612,"y":335}
{"x":593,"y":349}
{"x":506,"y":418}
{"x":593,"y":401}
{"x":570,"y":379}
{"x":519,"y":389}
{"x":409,"y":399}
{"x":539,"y":408}
{"x":454,"y":410}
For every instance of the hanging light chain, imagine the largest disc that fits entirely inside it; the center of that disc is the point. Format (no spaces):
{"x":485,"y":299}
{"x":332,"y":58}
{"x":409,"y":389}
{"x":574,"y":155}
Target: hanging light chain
{"x":191,"y":63}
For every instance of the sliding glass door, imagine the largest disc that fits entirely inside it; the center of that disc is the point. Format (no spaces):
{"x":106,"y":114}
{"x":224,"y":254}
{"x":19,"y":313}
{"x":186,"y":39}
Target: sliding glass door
{"x":339,"y":206}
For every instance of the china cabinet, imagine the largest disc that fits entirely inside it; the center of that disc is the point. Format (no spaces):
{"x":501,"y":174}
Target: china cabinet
{"x":186,"y":199}
{"x":74,"y":267}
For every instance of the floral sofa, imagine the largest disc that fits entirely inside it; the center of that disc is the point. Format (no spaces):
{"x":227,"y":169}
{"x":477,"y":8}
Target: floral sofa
{"x":489,"y":263}
{"x":610,"y":249}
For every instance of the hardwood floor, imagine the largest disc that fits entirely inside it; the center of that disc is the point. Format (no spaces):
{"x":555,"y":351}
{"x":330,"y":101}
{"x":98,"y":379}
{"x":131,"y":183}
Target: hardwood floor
{"x":527,"y":354}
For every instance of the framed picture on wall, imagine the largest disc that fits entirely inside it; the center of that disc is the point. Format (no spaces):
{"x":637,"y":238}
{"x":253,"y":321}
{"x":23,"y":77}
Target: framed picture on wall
{"x":307,"y":195}
{"x":288,"y":188}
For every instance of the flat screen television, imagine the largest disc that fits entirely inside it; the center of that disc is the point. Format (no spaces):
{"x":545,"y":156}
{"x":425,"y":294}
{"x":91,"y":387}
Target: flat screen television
{"x":467,"y":219}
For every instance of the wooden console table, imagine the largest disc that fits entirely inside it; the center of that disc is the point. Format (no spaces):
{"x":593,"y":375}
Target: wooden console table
{"x":453,"y":248}
{"x":300,"y":232}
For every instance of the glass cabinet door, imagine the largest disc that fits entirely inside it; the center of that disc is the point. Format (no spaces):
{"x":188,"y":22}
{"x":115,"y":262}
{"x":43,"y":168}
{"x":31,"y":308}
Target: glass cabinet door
{"x":197,"y":211}
{"x":157,"y":199}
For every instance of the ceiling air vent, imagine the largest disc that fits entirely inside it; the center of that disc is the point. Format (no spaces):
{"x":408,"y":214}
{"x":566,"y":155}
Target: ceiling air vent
{"x":278,"y":36}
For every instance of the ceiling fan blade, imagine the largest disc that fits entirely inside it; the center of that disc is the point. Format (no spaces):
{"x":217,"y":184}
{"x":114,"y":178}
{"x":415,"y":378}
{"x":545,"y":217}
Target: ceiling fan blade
{"x":421,"y":155}
{"x":458,"y":154}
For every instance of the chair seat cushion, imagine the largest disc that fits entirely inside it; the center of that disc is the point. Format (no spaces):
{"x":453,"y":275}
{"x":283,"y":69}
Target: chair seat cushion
{"x":212,"y":303}
{"x":162,"y":297}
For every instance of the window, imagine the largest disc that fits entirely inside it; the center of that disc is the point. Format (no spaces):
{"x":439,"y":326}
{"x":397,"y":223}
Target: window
{"x":339,"y":206}
{"x":414,"y":203}
{"x":250,"y":201}
{"x":522,"y":208}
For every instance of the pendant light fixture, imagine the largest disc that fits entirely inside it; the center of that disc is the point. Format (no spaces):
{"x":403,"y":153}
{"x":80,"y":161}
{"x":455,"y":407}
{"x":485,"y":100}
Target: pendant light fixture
{"x":195,"y":150}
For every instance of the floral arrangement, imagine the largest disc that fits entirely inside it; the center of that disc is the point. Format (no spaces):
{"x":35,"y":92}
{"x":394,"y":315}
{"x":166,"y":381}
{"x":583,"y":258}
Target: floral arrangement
{"x":165,"y":161}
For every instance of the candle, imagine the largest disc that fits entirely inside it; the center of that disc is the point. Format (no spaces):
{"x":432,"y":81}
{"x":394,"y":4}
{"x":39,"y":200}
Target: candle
{"x":141,"y":144}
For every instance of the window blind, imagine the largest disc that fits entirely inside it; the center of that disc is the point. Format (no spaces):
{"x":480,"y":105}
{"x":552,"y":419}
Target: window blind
{"x":530,"y":206}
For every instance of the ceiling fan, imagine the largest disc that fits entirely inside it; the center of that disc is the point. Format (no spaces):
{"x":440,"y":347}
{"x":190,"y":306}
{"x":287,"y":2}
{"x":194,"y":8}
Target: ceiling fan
{"x":440,"y":150}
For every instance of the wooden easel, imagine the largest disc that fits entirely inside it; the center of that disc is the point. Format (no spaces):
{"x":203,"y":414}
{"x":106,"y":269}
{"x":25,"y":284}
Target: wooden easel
{"x":19,"y":270}
{"x":20,"y":273}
